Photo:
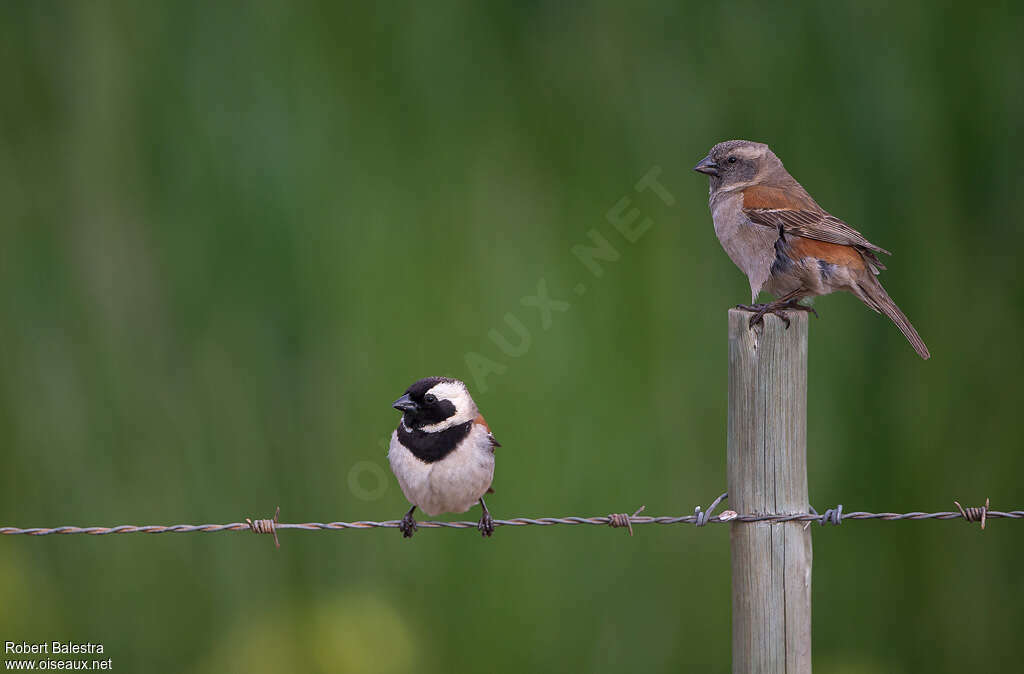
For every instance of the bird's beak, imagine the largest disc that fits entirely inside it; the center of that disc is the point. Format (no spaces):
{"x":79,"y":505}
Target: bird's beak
{"x":405,"y":404}
{"x":707,"y":166}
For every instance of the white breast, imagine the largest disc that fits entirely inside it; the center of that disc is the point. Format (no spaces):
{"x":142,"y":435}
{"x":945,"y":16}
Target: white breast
{"x":455,"y":483}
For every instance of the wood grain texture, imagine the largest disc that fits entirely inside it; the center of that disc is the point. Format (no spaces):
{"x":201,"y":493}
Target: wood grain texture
{"x":767,"y":472}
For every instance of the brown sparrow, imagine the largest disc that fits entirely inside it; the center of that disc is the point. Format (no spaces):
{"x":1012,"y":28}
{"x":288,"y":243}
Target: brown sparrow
{"x":786,"y":243}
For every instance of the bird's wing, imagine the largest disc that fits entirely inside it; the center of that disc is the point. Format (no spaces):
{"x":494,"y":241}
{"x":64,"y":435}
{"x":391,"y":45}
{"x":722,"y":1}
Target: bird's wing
{"x":490,"y":436}
{"x":774,"y":207}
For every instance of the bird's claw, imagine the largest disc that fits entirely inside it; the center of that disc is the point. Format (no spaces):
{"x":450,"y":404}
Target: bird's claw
{"x":486,"y":525}
{"x":758,"y":316}
{"x":408,"y":526}
{"x":759,"y":311}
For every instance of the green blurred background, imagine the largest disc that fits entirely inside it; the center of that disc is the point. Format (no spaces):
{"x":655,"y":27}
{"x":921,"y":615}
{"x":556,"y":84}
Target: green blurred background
{"x":233,"y":234}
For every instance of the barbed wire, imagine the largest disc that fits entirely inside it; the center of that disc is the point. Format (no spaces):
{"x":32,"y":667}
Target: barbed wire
{"x":700,"y":518}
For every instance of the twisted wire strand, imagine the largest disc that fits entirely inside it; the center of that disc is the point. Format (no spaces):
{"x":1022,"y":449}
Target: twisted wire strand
{"x":272,"y":526}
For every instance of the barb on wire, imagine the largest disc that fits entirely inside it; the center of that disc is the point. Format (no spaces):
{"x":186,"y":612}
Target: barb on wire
{"x":704,"y":517}
{"x":833,"y":516}
{"x":266,"y":526}
{"x":624,"y":520}
{"x":974,"y":514}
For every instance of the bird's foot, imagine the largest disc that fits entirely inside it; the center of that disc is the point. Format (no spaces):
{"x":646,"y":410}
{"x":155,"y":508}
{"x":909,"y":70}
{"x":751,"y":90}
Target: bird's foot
{"x":795,"y":304}
{"x":777,"y":308}
{"x":408,"y":525}
{"x":760,"y":310}
{"x":486,"y":525}
{"x":752,"y":307}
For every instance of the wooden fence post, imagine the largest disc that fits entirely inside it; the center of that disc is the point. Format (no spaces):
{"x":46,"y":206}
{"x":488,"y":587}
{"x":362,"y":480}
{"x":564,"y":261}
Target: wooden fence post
{"x":767,"y":472}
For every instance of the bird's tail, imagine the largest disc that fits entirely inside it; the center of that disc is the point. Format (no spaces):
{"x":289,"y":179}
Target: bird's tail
{"x":873,"y":294}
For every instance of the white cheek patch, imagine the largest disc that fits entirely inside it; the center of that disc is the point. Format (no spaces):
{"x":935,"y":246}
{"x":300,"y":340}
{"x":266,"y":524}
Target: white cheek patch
{"x":456,"y":393}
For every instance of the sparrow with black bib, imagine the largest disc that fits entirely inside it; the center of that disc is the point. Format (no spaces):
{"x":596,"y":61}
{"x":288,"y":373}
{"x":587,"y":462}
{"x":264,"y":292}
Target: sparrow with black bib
{"x":442,"y":451}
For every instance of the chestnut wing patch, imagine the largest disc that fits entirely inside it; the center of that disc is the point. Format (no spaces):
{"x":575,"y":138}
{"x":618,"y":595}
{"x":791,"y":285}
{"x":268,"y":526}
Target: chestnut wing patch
{"x":773,"y":207}
{"x":832,"y":253}
{"x":764,"y":197}
{"x":479,"y":420}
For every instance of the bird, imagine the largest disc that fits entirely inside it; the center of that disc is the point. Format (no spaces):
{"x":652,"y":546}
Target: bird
{"x":786,"y":243}
{"x":442,"y":452}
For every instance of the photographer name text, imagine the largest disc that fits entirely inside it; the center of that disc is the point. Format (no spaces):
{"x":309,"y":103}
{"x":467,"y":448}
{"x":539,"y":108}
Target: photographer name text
{"x":52,"y":648}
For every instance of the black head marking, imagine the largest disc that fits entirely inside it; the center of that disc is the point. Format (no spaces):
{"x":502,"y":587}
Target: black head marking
{"x":428,"y":411}
{"x":431,"y":447}
{"x":418,"y":389}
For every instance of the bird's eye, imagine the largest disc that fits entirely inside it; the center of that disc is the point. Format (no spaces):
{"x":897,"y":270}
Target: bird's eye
{"x":732,"y":160}
{"x":430,"y":399}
